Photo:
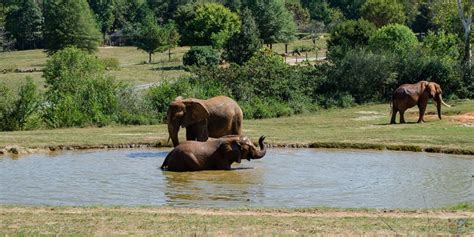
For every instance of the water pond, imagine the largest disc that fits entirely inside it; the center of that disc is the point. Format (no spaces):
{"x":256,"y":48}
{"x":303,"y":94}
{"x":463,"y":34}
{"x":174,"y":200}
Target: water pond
{"x":283,"y":178}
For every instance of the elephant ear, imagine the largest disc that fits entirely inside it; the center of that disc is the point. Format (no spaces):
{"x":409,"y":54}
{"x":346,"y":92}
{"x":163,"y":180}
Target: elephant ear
{"x":432,"y":89}
{"x":232,"y":151}
{"x":195,"y":112}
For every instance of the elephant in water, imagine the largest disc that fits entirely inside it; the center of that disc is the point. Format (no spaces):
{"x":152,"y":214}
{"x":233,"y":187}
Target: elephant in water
{"x":216,"y":154}
{"x":216,"y":117}
{"x":409,"y":95}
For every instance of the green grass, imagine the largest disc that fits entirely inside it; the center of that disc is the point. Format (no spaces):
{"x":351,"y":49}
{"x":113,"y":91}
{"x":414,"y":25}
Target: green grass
{"x":363,"y":126}
{"x":133,"y":67}
{"x":65,"y":221}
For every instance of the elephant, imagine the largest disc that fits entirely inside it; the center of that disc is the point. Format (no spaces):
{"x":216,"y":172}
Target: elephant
{"x":216,"y":154}
{"x":215,"y":117}
{"x":409,"y":95}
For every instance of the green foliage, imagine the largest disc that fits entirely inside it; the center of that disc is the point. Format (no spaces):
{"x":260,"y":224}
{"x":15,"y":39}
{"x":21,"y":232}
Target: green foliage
{"x":201,"y":56}
{"x":151,"y":38}
{"x":275,"y":23}
{"x":70,"y":23}
{"x":398,"y":39}
{"x":301,"y":15}
{"x":243,"y":45}
{"x":160,"y":96}
{"x":383,"y":12}
{"x":79,"y":93}
{"x":210,"y":24}
{"x":444,"y":45}
{"x":350,"y":8}
{"x":24,"y":24}
{"x":104,"y":11}
{"x":266,"y":80}
{"x":360,"y":70}
{"x":16,"y":111}
{"x":349,"y":35}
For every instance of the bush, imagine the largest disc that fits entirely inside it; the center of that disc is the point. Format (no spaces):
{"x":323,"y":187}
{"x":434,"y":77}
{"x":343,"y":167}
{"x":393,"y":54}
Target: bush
{"x":201,"y":56}
{"x":15,"y":113}
{"x":79,"y":93}
{"x":363,"y":75}
{"x":395,"y":38}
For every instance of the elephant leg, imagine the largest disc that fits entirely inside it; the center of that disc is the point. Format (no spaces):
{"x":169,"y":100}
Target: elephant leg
{"x":422,"y":110}
{"x":394,"y":116}
{"x":402,"y":116}
{"x":197,"y":132}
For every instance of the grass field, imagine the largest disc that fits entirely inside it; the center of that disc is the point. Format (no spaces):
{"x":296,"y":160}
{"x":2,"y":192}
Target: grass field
{"x":100,"y":221}
{"x":364,"y":126}
{"x":133,"y":67}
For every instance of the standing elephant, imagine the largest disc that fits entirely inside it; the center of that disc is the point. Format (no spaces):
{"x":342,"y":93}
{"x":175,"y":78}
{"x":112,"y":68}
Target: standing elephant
{"x":216,"y":154}
{"x":216,"y":117}
{"x":409,"y":95}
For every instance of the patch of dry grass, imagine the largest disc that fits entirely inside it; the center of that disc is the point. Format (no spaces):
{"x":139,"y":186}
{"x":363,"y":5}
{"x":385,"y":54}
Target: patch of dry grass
{"x":224,"y":222}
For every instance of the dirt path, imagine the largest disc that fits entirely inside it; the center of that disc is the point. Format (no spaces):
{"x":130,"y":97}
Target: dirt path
{"x":257,"y":212}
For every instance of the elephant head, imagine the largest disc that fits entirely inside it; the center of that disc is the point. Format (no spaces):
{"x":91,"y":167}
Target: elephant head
{"x":434,"y":91}
{"x":237,"y":148}
{"x":184,"y":112}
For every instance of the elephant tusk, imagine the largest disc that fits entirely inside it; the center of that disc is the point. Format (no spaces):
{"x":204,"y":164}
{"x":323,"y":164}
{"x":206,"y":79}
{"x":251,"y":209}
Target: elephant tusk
{"x":442,"y":102}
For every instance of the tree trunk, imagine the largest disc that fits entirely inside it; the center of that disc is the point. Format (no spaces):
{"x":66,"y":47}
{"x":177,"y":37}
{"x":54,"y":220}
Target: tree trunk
{"x":286,"y":48}
{"x":149,"y":58}
{"x":466,"y":23}
{"x":169,"y":54}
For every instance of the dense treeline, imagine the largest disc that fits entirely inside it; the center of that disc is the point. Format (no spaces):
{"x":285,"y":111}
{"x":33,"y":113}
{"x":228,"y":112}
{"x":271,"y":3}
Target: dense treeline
{"x":374,"y":46}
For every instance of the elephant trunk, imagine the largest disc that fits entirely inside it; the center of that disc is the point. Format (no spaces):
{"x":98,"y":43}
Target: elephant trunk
{"x":173,"y":133}
{"x":438,"y":106}
{"x":263,"y":150}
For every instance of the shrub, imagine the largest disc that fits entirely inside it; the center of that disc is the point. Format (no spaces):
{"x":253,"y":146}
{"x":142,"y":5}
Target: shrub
{"x":201,"y":56}
{"x":16,"y":112}
{"x":79,"y":93}
{"x":364,"y":75}
{"x":395,"y":38}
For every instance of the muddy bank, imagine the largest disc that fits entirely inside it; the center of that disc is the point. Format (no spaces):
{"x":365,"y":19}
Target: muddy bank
{"x":19,"y":150}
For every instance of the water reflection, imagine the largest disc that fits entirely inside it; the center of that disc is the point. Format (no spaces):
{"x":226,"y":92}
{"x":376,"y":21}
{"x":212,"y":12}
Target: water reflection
{"x":237,"y":186}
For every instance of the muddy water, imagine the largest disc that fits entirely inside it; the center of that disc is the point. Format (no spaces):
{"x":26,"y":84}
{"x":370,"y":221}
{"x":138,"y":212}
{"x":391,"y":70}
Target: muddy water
{"x":284,"y":178}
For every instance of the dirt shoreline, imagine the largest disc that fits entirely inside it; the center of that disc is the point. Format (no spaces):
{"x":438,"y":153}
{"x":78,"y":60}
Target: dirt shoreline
{"x":313,"y":212}
{"x":19,"y":150}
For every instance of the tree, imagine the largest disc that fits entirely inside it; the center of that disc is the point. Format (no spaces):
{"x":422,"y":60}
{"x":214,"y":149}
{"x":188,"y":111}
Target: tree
{"x":395,"y":38}
{"x":350,"y":8}
{"x":347,"y":35}
{"x":300,"y":14}
{"x":24,"y":24}
{"x":152,"y":37}
{"x":70,"y":23}
{"x":207,"y":24}
{"x":465,"y":15}
{"x":383,"y":12}
{"x":104,"y":13}
{"x":275,"y":23}
{"x":243,"y":45}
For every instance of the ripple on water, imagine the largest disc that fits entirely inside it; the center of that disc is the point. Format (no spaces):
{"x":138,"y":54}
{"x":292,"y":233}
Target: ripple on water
{"x":284,"y":178}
